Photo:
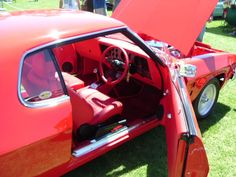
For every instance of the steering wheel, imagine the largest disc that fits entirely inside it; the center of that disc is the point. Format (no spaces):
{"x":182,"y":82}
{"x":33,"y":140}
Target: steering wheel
{"x":116,"y":61}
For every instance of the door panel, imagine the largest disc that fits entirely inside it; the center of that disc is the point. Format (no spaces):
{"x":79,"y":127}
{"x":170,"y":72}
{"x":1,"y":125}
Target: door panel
{"x":196,"y":162}
{"x":182,"y":133}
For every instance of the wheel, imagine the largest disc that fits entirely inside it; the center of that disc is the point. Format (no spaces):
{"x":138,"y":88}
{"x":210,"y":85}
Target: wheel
{"x":206,"y":100}
{"x":116,"y":61}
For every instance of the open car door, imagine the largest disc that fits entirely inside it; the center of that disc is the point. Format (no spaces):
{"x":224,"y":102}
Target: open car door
{"x":186,"y":153}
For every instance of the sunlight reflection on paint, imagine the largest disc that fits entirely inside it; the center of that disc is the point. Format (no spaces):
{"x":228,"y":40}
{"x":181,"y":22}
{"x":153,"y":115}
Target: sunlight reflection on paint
{"x":55,"y":34}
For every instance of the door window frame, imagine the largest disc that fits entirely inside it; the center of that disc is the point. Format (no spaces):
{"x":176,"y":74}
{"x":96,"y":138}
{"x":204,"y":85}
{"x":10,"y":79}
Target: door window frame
{"x":46,"y":102}
{"x":49,"y":46}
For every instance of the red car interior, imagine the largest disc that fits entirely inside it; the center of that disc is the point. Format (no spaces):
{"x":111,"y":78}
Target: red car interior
{"x":72,"y":82}
{"x":91,"y":107}
{"x":107,"y":103}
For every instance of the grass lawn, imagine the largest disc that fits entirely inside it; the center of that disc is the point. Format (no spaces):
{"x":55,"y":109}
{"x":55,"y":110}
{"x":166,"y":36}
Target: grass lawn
{"x":146,"y":155}
{"x":31,"y":4}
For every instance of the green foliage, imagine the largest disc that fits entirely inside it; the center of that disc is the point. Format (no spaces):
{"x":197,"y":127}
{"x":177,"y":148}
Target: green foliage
{"x":31,"y":4}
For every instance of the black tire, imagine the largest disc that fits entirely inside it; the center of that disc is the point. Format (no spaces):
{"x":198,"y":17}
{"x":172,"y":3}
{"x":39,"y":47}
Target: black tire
{"x":203,"y":107}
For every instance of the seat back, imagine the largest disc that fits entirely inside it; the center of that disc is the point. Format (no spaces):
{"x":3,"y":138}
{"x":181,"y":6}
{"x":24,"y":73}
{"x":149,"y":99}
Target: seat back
{"x":82,"y":112}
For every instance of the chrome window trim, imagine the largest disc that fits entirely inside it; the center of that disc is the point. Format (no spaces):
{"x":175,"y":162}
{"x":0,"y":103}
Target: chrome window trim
{"x":43,"y":103}
{"x":63,"y":98}
{"x":186,"y":106}
{"x":122,"y":29}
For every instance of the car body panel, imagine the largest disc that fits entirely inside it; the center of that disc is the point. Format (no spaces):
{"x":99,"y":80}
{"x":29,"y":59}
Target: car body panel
{"x":52,"y":31}
{"x":26,"y":124}
{"x":181,"y":128}
{"x":176,"y":125}
{"x":196,"y":162}
{"x":76,"y":162}
{"x":212,"y":65}
{"x":36,"y":158}
{"x":175,"y":23}
{"x":195,"y":150}
{"x":22,"y":131}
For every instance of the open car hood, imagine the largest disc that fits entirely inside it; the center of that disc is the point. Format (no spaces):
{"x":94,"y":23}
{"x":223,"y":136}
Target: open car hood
{"x":175,"y":22}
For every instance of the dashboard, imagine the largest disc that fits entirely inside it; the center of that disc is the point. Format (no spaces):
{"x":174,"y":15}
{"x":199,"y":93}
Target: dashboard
{"x":141,"y":66}
{"x":137,"y":64}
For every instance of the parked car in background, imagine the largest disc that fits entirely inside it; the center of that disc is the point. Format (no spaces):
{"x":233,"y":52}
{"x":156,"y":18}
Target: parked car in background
{"x":230,"y":17}
{"x":219,"y":9}
{"x":222,"y":8}
{"x":77,"y":85}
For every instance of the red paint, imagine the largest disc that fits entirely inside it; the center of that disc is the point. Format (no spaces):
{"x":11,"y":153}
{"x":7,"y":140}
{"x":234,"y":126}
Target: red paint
{"x":210,"y":63}
{"x":38,"y":141}
{"x":174,"y":22}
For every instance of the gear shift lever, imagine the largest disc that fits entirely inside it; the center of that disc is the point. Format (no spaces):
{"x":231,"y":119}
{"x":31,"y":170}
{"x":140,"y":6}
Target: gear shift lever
{"x":95,"y":71}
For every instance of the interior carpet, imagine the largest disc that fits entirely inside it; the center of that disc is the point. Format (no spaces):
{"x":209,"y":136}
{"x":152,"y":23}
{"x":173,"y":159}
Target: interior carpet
{"x":142,"y":105}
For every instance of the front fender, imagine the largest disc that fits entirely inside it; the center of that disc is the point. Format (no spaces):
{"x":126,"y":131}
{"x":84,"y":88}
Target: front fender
{"x":209,"y":66}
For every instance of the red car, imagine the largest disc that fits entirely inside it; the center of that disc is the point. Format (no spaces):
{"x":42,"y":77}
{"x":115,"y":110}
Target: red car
{"x":80,"y":84}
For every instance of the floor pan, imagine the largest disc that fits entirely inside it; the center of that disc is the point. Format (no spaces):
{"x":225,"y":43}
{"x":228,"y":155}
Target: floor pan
{"x":142,"y":105}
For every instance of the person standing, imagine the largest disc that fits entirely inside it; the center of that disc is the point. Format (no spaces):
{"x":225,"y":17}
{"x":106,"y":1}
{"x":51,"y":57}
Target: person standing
{"x":96,"y":6}
{"x":100,"y":7}
{"x":88,"y":5}
{"x":69,"y":4}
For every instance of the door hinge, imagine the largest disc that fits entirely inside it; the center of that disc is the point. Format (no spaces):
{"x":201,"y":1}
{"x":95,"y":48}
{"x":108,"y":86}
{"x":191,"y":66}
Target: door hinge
{"x":188,"y":138}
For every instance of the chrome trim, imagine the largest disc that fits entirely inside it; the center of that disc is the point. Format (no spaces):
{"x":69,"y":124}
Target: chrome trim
{"x":186,"y":105}
{"x":79,"y":37}
{"x":63,"y":98}
{"x":207,"y":99}
{"x":187,"y":70}
{"x":96,"y":144}
{"x":45,"y":103}
{"x":169,"y":116}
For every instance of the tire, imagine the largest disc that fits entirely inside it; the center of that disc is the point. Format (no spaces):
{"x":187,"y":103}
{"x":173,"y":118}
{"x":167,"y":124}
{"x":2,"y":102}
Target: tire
{"x":207,"y":98}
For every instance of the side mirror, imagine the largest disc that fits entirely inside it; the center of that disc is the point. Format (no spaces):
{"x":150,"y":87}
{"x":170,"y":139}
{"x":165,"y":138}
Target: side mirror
{"x":187,"y":70}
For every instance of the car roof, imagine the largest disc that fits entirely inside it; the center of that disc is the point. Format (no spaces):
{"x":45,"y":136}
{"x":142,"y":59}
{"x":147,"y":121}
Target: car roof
{"x":23,"y":30}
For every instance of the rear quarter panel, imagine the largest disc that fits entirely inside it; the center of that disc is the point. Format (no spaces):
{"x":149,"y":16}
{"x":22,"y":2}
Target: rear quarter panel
{"x":33,"y":140}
